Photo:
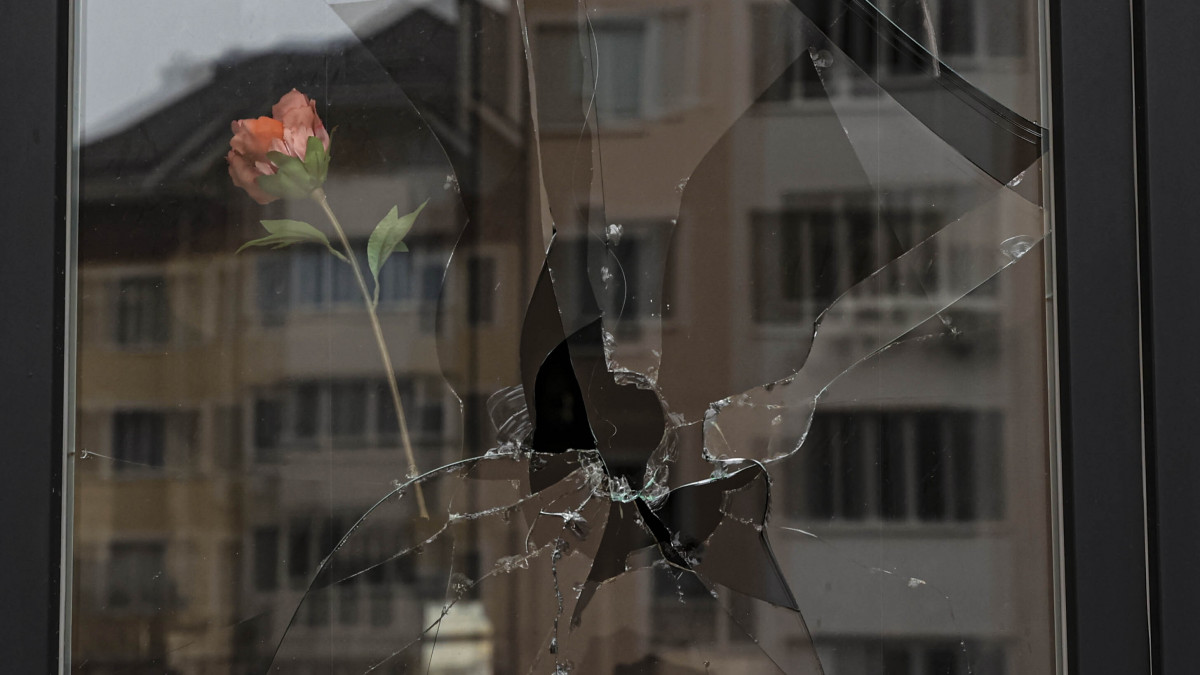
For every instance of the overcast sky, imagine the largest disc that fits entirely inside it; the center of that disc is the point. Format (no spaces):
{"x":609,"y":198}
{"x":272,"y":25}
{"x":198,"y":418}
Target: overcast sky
{"x":139,"y":54}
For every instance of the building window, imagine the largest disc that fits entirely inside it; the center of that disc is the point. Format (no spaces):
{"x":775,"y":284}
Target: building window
{"x":348,"y":409}
{"x":381,"y":607}
{"x":307,"y":280}
{"x":783,"y":69}
{"x":481,"y":294}
{"x":139,"y":440}
{"x":306,"y":411}
{"x":431,"y":289}
{"x":388,"y":426}
{"x":268,"y":428}
{"x":957,"y":27}
{"x":899,"y":656}
{"x":274,"y":286}
{"x":344,"y":287}
{"x":137,"y":577}
{"x":477,"y":425}
{"x":395,"y":280}
{"x":917,"y":466}
{"x":642,"y":71}
{"x":968,"y":33}
{"x":778,"y":32}
{"x":804,"y":257}
{"x":143,"y":312}
{"x":311,"y":269}
{"x":318,"y":606}
{"x":636,"y":272}
{"x":423,"y":409}
{"x":228,"y":444}
{"x":299,"y":553}
{"x":684,"y":611}
{"x":630,"y":272}
{"x":266,"y":558}
{"x":357,"y":413}
{"x":494,"y":78}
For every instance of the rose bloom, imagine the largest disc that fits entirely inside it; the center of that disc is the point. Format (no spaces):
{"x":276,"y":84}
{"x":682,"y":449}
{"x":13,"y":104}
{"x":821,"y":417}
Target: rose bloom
{"x":293,"y":120}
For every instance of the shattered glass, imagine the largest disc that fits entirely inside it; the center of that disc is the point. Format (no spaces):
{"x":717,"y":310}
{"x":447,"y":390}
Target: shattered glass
{"x":720,"y":344}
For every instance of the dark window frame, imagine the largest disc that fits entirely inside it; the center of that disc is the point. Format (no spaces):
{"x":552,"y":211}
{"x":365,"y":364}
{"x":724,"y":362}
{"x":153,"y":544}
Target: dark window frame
{"x":1126,"y":328}
{"x":1099,"y":325}
{"x":1165,"y":56}
{"x":35,"y":41}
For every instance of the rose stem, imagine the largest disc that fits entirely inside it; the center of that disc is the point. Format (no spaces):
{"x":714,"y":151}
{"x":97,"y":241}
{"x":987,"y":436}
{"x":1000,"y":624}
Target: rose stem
{"x":318,"y":196}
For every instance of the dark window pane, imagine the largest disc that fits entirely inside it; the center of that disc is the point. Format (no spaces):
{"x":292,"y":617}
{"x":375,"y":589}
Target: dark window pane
{"x":266,"y":558}
{"x":404,"y":569}
{"x":347,"y":596}
{"x":931,"y":467}
{"x":819,"y":446}
{"x":771,"y":45}
{"x":343,"y":287}
{"x":853,"y":467}
{"x":494,"y":38}
{"x":386,"y":407}
{"x":824,"y":261}
{"x":274,"y":281}
{"x":432,"y":415}
{"x":308,"y":410}
{"x":897,"y":660}
{"x":990,"y":446}
{"x":228,"y":437}
{"x":964,"y":453}
{"x":348,"y":409}
{"x":139,"y":440}
{"x":621,"y":69}
{"x":381,"y":606}
{"x":893,"y":467}
{"x":137,"y":579}
{"x":299,"y":550}
{"x":957,"y":27}
{"x":861,"y":232}
{"x":395,"y":279}
{"x":318,"y":607}
{"x":268,"y":427}
{"x":481,"y":298}
{"x":311,"y":268}
{"x":909,"y":16}
{"x":431,"y":289}
{"x":143,"y":313}
{"x":791,"y":261}
{"x":941,"y":662}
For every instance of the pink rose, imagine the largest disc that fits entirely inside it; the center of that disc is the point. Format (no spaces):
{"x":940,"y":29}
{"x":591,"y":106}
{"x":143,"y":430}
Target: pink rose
{"x":293,"y":121}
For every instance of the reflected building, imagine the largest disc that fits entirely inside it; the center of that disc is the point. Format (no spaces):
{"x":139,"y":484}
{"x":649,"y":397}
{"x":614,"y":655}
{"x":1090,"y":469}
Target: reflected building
{"x":234,"y":422}
{"x":911,"y":521}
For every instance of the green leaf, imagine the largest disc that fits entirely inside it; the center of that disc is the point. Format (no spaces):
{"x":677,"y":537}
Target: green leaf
{"x":388,"y":238}
{"x":294,"y":178}
{"x":316,"y":160}
{"x":283,"y":185}
{"x":288,"y":232}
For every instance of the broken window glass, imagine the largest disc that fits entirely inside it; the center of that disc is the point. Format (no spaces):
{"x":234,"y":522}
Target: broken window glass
{"x":589,"y":336}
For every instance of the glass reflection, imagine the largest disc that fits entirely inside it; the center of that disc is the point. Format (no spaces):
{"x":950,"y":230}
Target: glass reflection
{"x":713,"y":347}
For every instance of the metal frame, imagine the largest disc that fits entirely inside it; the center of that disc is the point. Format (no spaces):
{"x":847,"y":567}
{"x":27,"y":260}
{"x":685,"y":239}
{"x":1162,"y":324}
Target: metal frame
{"x":1128,"y":295}
{"x":35,"y":48}
{"x":1100,"y":357}
{"x":1166,"y":57}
